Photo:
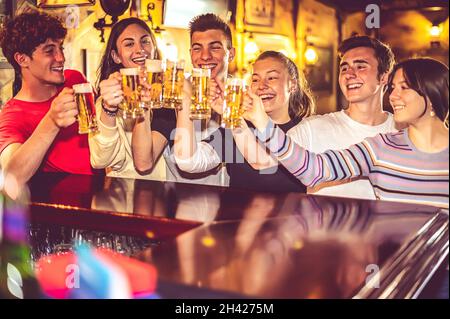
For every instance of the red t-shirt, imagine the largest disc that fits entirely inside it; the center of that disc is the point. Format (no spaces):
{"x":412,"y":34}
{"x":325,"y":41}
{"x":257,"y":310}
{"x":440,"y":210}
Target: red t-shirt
{"x":69,"y":151}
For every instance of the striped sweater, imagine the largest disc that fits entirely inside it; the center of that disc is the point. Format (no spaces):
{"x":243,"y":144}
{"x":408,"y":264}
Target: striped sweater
{"x":397,"y":170}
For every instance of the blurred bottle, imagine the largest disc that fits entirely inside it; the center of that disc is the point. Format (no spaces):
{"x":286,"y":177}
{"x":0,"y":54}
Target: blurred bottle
{"x":17,"y":278}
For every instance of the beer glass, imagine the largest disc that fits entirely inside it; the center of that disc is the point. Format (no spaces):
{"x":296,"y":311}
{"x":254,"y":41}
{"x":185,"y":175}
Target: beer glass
{"x":84,"y":97}
{"x":200,"y":105}
{"x":234,"y":98}
{"x":154,"y":76}
{"x":173,"y":85}
{"x":131,"y":106}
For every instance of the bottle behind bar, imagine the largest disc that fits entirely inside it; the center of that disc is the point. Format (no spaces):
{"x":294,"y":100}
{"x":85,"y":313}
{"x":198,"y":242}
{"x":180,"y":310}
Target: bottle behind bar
{"x":17,"y":279}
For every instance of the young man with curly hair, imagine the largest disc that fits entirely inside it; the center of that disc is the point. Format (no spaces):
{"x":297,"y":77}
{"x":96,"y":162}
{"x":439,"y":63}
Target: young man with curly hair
{"x":38,"y":129}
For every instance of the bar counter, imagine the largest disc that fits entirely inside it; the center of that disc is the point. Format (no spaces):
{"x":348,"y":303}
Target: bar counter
{"x":209,"y":242}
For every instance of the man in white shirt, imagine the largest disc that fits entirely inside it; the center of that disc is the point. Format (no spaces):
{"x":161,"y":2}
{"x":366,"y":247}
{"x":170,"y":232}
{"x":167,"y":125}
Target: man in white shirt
{"x":364,"y":69}
{"x":211,"y":48}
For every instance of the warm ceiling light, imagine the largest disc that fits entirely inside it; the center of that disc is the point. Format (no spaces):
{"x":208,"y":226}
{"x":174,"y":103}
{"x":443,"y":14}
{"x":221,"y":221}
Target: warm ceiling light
{"x":251,"y":48}
{"x":311,"y":56}
{"x":435,"y":31}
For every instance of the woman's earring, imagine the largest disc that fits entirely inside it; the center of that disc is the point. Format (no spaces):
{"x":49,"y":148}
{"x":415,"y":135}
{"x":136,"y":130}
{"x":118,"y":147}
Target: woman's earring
{"x":432,"y":114}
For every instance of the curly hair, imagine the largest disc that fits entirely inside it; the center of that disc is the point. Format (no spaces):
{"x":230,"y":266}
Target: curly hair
{"x":301,"y":101}
{"x":25,"y":33}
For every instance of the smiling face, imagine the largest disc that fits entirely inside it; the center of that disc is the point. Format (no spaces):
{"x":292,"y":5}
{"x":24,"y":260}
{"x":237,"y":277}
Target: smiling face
{"x":46,"y":63}
{"x":358,"y":76}
{"x":134,"y":45}
{"x":209,"y":51}
{"x":271,"y":82}
{"x":409,"y":107}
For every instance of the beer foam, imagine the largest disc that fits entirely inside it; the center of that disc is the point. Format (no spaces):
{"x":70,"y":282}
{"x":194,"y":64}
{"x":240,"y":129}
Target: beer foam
{"x":129,"y":71}
{"x":170,"y":64}
{"x":235,"y":82}
{"x":82,"y":88}
{"x":154,"y":66}
{"x":180,"y":64}
{"x":197,"y":72}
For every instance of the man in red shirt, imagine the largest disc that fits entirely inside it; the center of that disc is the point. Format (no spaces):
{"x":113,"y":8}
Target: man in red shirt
{"x":38,"y":128}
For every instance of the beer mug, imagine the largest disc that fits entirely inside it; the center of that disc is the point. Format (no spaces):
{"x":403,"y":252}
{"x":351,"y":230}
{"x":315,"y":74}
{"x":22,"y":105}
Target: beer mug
{"x":173,"y":85}
{"x":131,"y":106}
{"x":84,"y":97}
{"x":154,"y":76}
{"x":200,"y":106}
{"x":234,"y":98}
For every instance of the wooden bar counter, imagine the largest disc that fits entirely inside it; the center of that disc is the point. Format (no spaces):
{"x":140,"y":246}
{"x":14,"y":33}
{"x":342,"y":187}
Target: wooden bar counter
{"x":209,"y":242}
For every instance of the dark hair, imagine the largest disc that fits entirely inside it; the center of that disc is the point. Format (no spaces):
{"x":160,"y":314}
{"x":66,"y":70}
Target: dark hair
{"x":107,"y":65}
{"x":429,"y":78}
{"x":24,"y":34}
{"x":301,"y":102}
{"x":211,"y":21}
{"x":383,"y":52}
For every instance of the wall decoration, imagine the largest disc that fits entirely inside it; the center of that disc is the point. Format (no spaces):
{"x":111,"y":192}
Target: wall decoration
{"x":63,"y":3}
{"x":320,"y":75}
{"x":259,"y":12}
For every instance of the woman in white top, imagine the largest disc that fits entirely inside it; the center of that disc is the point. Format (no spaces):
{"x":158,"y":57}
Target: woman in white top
{"x":131,"y":42}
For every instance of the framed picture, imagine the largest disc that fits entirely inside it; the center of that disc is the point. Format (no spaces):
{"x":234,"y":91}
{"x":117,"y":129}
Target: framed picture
{"x":63,"y":3}
{"x":320,"y":75}
{"x":259,"y":12}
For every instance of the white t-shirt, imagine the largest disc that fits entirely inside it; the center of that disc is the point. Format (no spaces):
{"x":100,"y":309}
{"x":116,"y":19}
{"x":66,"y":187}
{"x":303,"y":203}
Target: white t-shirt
{"x":335,"y":131}
{"x":212,"y":175}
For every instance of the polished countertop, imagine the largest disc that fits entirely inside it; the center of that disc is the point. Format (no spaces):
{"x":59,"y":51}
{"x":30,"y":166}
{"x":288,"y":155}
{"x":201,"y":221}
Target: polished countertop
{"x":241,"y":243}
{"x":323,"y":248}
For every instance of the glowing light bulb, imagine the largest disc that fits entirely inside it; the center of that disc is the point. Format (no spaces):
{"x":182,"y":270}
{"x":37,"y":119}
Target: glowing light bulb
{"x":251,"y":48}
{"x":311,"y":56}
{"x":435,"y":31}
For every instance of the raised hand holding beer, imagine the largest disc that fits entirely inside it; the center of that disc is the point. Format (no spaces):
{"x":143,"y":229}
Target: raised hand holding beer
{"x":63,"y":110}
{"x":233,"y":108}
{"x":200,"y":106}
{"x":173,"y":84}
{"x":154,"y":70}
{"x":217,"y":95}
{"x":254,"y":110}
{"x":111,"y":91}
{"x":84,"y":98}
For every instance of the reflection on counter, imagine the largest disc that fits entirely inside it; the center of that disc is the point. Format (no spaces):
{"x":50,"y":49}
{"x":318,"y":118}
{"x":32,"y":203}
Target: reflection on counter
{"x":46,"y":240}
{"x":303,"y":247}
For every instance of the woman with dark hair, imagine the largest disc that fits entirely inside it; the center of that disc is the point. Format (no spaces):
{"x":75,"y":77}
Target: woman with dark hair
{"x":286,"y":100}
{"x":130,"y":43}
{"x":408,"y":166}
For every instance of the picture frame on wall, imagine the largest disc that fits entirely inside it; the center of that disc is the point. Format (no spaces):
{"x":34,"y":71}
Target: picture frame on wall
{"x":320,"y":75}
{"x":63,"y":3}
{"x":259,"y":12}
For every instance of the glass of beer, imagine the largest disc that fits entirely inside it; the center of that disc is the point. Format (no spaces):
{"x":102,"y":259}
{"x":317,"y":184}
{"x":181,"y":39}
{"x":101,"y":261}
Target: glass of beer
{"x":154,"y":76}
{"x":173,"y":85}
{"x":234,"y":98}
{"x":84,"y":97}
{"x":131,"y":106}
{"x":200,"y":105}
